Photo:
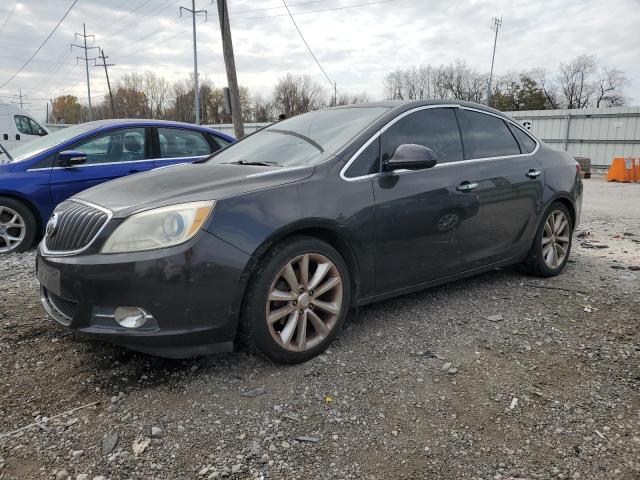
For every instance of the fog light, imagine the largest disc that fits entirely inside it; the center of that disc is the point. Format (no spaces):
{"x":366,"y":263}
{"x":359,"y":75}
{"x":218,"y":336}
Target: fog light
{"x":130,"y":317}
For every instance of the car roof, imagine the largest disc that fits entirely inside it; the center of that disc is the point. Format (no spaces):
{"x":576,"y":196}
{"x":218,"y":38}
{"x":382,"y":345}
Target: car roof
{"x":129,"y":122}
{"x":402,"y":105}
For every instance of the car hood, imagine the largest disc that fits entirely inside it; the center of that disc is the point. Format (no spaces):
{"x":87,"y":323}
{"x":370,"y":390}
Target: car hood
{"x":187,"y":183}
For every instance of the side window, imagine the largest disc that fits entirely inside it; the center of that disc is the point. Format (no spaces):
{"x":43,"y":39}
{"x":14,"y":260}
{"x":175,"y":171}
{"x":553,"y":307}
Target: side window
{"x":486,"y":136}
{"x":435,"y":128}
{"x":22,"y":124}
{"x":220,"y":141}
{"x":175,"y":143}
{"x":527,"y":144}
{"x":35,"y":128}
{"x":366,"y":163}
{"x":125,"y":145}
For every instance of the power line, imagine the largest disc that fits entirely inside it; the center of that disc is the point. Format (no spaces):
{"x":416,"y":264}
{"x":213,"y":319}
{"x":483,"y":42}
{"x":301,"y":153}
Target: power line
{"x":307,"y":45}
{"x":345,"y":7}
{"x":6,"y":20}
{"x":139,"y":20}
{"x":42,"y":45}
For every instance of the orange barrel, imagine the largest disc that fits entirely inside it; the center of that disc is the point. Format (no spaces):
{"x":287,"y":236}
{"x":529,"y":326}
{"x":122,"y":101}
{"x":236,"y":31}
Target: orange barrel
{"x":621,"y":170}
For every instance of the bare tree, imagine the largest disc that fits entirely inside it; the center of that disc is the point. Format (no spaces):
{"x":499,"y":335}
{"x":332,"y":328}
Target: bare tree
{"x":609,"y":88}
{"x":575,"y":83}
{"x":296,"y":94}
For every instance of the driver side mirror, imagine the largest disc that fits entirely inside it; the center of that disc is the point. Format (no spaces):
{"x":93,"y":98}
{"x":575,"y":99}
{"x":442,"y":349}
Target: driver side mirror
{"x":42,"y":132}
{"x":69,"y":158}
{"x":410,"y":156}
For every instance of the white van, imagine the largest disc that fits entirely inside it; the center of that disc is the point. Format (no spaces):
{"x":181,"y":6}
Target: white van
{"x":16,"y":127}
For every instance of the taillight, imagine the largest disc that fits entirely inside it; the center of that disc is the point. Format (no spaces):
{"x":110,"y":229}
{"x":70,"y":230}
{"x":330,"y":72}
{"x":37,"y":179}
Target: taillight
{"x":577,"y":168}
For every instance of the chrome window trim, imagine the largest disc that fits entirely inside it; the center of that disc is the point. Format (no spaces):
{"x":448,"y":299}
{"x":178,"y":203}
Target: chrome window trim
{"x":66,"y":253}
{"x":440,"y":165}
{"x":120,"y":163}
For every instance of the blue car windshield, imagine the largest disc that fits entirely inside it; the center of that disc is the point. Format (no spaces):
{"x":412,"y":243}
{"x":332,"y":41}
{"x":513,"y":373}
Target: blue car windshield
{"x":307,"y":139}
{"x":39,"y":145}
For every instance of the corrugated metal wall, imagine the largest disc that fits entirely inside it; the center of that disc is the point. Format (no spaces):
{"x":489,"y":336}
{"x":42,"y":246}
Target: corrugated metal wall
{"x":597,"y":133}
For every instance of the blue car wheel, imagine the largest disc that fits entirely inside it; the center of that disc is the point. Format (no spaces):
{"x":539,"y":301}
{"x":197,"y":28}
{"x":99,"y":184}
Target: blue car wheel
{"x":18,"y":226}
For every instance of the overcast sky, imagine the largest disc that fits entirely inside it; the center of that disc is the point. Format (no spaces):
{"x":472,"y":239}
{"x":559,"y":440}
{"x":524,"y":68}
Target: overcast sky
{"x":357,"y":41}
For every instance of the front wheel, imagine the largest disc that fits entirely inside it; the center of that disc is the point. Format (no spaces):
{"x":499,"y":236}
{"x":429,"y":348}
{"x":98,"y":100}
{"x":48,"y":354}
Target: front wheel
{"x":552,"y":245}
{"x":297,"y":300}
{"x":17,"y":226}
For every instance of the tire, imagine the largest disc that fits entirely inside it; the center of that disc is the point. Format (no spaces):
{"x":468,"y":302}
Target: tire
{"x":270,"y":293}
{"x":536,"y":262}
{"x":16,"y":221}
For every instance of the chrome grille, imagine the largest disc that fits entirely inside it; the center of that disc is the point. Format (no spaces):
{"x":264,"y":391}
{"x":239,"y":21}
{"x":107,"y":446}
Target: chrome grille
{"x":77,"y":225}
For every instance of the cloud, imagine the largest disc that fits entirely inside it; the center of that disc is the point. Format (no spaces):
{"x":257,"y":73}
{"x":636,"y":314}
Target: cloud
{"x":356,"y":46}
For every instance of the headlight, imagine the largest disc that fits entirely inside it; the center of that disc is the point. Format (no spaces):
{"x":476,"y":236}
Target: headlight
{"x":159,"y":228}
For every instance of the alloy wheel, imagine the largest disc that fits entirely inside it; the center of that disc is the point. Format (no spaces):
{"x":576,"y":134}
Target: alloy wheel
{"x":304,"y":302}
{"x":556,"y":238}
{"x":12,"y":229}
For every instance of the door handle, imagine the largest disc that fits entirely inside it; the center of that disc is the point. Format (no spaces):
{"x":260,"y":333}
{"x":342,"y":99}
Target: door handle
{"x":5,"y":136}
{"x":17,"y":136}
{"x":533,"y":173}
{"x":131,"y":172}
{"x":466,"y":187}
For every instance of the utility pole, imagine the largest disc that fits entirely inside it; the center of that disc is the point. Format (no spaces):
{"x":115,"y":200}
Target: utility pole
{"x":230,"y":65}
{"x":86,"y":59}
{"x":19,"y":97}
{"x":53,"y":111}
{"x":196,"y":91}
{"x":496,"y":23}
{"x":104,"y":64}
{"x":335,"y":93}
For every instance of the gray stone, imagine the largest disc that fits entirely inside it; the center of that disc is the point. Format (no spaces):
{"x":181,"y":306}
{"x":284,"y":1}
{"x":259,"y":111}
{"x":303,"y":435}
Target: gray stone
{"x":156,"y":431}
{"x":109,"y":442}
{"x":495,"y":318}
{"x":62,"y":475}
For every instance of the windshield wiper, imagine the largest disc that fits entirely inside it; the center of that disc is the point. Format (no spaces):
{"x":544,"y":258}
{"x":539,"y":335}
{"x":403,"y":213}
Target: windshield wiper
{"x":257,"y":163}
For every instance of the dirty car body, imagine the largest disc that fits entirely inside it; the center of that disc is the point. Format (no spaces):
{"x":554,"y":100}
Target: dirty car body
{"x":397,"y":229}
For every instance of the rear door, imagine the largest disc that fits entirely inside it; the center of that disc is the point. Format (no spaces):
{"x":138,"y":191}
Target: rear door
{"x":180,"y":145}
{"x":505,"y":182}
{"x":110,"y":155}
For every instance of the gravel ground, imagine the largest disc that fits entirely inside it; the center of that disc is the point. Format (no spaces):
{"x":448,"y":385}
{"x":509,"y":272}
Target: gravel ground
{"x":495,"y":377}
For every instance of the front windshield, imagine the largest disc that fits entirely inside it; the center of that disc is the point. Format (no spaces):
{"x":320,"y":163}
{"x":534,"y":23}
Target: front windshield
{"x":307,"y":139}
{"x":39,"y":145}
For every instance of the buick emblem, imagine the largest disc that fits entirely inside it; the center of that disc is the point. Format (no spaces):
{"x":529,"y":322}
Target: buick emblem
{"x":52,"y":224}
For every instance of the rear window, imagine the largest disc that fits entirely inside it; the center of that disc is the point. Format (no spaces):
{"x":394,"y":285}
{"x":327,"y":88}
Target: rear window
{"x":527,"y":144}
{"x":486,"y":136}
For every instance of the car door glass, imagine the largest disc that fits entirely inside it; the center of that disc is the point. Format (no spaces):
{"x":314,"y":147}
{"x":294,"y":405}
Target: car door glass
{"x":486,"y":136}
{"x":527,"y":144}
{"x":176,"y":143}
{"x":35,"y":128}
{"x":125,"y":145}
{"x":22,"y":124}
{"x":435,"y":128}
{"x":366,"y":163}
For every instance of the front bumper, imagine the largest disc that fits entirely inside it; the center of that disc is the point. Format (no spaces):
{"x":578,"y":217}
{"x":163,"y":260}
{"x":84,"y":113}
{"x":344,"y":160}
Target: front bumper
{"x":192,"y":291}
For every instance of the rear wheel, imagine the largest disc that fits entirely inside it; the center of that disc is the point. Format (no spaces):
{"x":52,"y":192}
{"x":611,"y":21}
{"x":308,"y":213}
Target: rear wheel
{"x":552,"y":245}
{"x":17,"y":226}
{"x":297,"y":300}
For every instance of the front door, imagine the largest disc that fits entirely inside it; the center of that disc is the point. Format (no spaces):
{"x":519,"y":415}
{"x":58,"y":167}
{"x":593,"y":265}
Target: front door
{"x":418,"y":211}
{"x":110,"y":155}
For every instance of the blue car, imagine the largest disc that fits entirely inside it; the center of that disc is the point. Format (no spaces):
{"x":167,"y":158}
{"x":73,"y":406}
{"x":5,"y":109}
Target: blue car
{"x":37,"y":176}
